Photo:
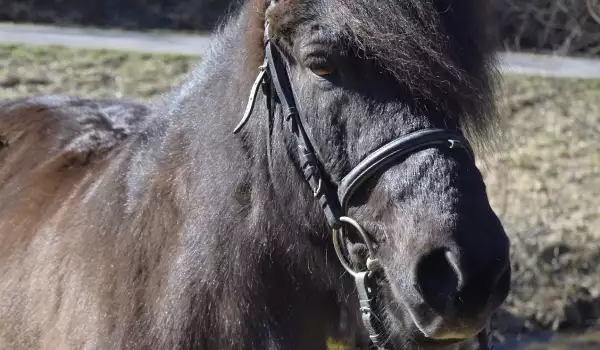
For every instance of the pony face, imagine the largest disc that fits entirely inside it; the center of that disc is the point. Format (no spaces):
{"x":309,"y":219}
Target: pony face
{"x":365,"y":73}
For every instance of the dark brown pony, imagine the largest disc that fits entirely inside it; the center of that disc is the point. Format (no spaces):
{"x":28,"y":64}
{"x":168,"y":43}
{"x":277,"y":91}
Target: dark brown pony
{"x":130,"y":226}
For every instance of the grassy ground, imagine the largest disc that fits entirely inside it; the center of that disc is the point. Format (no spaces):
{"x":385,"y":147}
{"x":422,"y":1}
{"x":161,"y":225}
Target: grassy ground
{"x":39,"y":70}
{"x":544,"y":180}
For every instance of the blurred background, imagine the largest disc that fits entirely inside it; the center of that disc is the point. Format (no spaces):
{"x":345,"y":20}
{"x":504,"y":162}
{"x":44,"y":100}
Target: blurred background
{"x":559,"y":26}
{"x":544,"y":179}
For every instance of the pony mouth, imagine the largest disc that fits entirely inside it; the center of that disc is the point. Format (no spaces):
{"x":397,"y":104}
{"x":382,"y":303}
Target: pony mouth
{"x":405,"y":317}
{"x":421,"y":339}
{"x":424,"y":341}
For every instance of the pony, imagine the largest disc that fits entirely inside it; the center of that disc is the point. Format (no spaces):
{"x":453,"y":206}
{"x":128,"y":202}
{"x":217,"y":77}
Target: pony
{"x":348,"y":194}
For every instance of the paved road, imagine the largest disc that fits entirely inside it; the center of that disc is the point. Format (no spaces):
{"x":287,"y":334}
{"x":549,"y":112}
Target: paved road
{"x":104,"y":39}
{"x":198,"y":44}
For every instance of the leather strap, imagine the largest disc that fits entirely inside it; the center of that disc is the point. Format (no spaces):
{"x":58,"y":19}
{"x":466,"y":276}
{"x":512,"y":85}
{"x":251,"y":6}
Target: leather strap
{"x":366,"y":286}
{"x":308,"y":162}
{"x":398,"y":148}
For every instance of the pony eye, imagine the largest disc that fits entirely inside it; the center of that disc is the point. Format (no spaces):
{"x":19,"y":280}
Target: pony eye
{"x":322,"y":70}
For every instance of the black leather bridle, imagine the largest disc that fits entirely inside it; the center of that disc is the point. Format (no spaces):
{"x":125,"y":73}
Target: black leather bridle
{"x":273,"y":77}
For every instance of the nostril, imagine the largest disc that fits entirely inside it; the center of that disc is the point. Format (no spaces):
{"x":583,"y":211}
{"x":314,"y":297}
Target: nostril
{"x":488,"y":283}
{"x":454,"y":263}
{"x":439,"y":278}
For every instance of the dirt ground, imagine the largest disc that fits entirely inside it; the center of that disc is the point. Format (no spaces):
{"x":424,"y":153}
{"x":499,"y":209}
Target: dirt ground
{"x":543,"y":180}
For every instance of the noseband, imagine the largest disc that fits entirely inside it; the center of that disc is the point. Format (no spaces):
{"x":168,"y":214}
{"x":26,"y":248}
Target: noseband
{"x":273,"y":76}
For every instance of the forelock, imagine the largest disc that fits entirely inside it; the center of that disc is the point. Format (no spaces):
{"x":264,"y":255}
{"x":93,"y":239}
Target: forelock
{"x":439,"y":50}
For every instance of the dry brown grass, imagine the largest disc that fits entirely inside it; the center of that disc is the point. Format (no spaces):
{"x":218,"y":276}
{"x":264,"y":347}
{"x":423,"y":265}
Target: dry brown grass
{"x":544,"y":181}
{"x":545,"y":185}
{"x":28,"y":70}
